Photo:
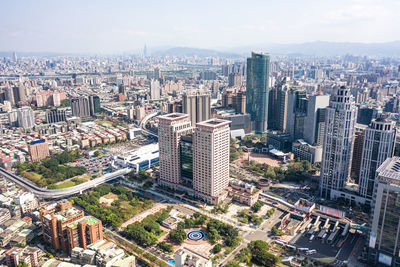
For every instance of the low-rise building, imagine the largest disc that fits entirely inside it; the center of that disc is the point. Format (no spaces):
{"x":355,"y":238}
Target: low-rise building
{"x":185,"y":257}
{"x":243,"y":192}
{"x":139,"y":159}
{"x":304,"y":151}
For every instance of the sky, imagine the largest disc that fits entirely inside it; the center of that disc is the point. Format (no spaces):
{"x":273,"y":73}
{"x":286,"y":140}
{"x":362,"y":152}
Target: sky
{"x":117,"y":26}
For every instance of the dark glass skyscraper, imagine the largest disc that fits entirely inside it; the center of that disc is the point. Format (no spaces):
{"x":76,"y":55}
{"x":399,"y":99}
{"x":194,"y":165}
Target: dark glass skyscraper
{"x":258,"y":90}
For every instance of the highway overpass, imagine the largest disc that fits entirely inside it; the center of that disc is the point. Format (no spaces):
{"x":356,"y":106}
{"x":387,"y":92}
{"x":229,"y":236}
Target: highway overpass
{"x":45,"y":193}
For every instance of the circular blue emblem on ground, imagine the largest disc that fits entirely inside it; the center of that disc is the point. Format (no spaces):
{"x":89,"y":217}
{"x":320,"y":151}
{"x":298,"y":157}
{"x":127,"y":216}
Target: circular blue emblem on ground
{"x":196,"y":235}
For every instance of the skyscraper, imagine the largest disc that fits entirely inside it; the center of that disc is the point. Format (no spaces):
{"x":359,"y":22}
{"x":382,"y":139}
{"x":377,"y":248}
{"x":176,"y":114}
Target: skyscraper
{"x":337,"y":153}
{"x":384,"y":241}
{"x":234,"y":79}
{"x":378,"y":146}
{"x":197,"y":104}
{"x":257,"y":91}
{"x":359,"y":135}
{"x":55,"y":115}
{"x":25,"y":117}
{"x":171,"y":128}
{"x":80,"y":107}
{"x":155,"y":89}
{"x":211,"y":159}
{"x":194,"y":160}
{"x":94,"y":105}
{"x":312,"y":127}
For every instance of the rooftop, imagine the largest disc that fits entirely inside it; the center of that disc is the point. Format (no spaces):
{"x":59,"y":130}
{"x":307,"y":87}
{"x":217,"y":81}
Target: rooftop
{"x":390,"y":168}
{"x":213,"y":123}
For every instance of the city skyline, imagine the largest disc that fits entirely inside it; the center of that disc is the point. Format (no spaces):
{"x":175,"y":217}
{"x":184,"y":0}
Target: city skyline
{"x":102,"y":27}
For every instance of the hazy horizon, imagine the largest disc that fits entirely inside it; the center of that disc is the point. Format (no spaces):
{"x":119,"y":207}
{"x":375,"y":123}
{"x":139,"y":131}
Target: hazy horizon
{"x":126,"y":26}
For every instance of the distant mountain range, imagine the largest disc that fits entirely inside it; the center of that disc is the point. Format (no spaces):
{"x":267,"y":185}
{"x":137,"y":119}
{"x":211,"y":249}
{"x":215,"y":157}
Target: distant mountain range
{"x":189,"y":51}
{"x":318,"y":48}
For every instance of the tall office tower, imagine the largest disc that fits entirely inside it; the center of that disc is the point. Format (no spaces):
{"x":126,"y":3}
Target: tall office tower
{"x":19,"y":94}
{"x":239,"y":102}
{"x":337,"y":152}
{"x":234,"y":79}
{"x":171,"y":128}
{"x":25,"y":117}
{"x":297,"y":103}
{"x":257,"y":91}
{"x":313,"y":128}
{"x":366,"y":114}
{"x":80,"y":107}
{"x":39,"y":150}
{"x":357,"y":152}
{"x":277,"y":108}
{"x":155,"y":89}
{"x":378,"y":146}
{"x":94,"y":105}
{"x":9,"y":95}
{"x":13,"y":118}
{"x":384,"y":241}
{"x":197,"y":104}
{"x":211,"y":159}
{"x":15,"y":58}
{"x":55,"y":115}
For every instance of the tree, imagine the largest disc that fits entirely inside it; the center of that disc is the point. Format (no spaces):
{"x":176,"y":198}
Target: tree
{"x":164,"y":246}
{"x":65,"y":103}
{"x":177,"y":235}
{"x":213,"y":236}
{"x":260,"y":254}
{"x":232,"y":263}
{"x":257,"y":206}
{"x":96,"y":153}
{"x":217,"y":248}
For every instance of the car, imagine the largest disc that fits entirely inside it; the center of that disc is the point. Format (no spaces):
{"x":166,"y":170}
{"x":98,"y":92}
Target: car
{"x":310,"y":252}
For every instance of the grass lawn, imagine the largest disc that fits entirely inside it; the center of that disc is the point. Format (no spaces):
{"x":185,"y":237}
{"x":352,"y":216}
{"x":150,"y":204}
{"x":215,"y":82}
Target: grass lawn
{"x":102,"y":122}
{"x":65,"y":184}
{"x":32,"y":176}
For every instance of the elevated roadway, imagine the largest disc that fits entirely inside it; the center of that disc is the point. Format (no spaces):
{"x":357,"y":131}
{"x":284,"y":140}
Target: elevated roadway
{"x":45,"y":193}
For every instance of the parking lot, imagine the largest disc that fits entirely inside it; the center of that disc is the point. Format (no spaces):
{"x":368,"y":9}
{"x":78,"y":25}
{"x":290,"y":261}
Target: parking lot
{"x":335,"y":252}
{"x":94,"y":165}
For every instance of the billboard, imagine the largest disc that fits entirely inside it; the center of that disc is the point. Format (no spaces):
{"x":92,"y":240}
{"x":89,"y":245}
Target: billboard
{"x":332,"y":211}
{"x":372,"y":240}
{"x":385,"y":259}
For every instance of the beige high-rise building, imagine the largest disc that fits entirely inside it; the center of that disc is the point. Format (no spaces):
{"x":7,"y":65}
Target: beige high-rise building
{"x":211,"y":159}
{"x":39,"y":150}
{"x":171,"y":128}
{"x":195,"y":161}
{"x":198,"y":105}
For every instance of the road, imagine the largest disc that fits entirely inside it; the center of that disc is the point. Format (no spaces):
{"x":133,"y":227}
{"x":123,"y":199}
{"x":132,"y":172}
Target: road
{"x":45,"y":193}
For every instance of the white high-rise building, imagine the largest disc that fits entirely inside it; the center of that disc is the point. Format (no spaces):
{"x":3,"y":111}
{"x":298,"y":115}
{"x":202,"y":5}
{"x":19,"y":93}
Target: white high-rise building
{"x":170,"y":129}
{"x":211,"y":159}
{"x":25,"y":117}
{"x":314,"y":118}
{"x":378,"y":145}
{"x":13,"y":118}
{"x":155,"y":89}
{"x":341,"y":116}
